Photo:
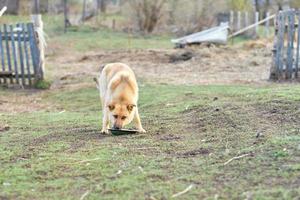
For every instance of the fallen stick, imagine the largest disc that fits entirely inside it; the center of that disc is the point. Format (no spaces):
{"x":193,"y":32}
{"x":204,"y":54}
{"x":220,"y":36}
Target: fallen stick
{"x":236,"y":158}
{"x":84,"y":161}
{"x":84,"y":195}
{"x":183,"y":192}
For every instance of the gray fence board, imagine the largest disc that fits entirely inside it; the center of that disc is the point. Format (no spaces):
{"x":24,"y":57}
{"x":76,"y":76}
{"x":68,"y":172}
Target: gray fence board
{"x":298,"y":47}
{"x":27,"y":55}
{"x":280,"y":43}
{"x":13,"y":47}
{"x":20,"y":55}
{"x":290,"y":44}
{"x":2,"y":55}
{"x":287,"y":46}
{"x":7,"y":50}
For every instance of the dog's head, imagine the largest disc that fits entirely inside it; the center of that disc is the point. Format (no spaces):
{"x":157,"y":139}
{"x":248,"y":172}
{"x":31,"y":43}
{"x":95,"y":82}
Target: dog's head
{"x":121,"y":114}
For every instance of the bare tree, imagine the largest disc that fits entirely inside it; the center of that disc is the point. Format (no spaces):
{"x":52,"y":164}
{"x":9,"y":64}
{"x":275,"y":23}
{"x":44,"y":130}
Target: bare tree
{"x":240,"y":5}
{"x":147,"y":13}
{"x":295,"y":3}
{"x":102,"y":5}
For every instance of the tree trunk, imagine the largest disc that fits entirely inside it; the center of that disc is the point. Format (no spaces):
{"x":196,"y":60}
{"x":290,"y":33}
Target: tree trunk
{"x":44,"y":6}
{"x":66,"y":20}
{"x":36,"y":7}
{"x":83,"y":10}
{"x":256,"y":2}
{"x":103,"y":6}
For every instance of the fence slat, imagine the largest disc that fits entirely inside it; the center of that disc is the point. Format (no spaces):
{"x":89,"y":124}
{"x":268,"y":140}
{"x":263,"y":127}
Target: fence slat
{"x":26,"y":55}
{"x":267,"y":27}
{"x":298,"y":47}
{"x":290,"y":44}
{"x":7,"y":51}
{"x":256,"y":21}
{"x":21,"y":54}
{"x":280,"y":43}
{"x":246,"y":19}
{"x":14,"y":54}
{"x":2,"y":55}
{"x":239,"y":20}
{"x":232,"y":20}
{"x":32,"y":48}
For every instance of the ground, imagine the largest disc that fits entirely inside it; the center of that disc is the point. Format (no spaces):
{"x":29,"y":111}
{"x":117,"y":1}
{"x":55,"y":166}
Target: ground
{"x":199,"y":114}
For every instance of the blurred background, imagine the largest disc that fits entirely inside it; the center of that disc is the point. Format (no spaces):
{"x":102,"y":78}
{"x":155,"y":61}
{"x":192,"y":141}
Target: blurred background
{"x":175,"y":17}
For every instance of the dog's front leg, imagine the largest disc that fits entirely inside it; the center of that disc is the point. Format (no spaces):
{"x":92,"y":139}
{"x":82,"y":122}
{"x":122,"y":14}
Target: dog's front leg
{"x":105,"y":122}
{"x":137,"y":121}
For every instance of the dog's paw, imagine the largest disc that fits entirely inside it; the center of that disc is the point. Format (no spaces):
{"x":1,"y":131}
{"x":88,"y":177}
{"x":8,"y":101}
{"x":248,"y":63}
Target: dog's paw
{"x":141,"y":130}
{"x":104,"y":131}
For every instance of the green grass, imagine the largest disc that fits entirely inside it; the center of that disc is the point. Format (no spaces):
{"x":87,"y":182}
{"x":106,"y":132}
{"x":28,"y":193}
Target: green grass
{"x":85,"y":37}
{"x":57,"y":151}
{"x":192,"y":132}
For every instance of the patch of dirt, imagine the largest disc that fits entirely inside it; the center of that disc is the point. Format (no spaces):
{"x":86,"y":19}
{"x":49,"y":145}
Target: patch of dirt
{"x":24,"y":101}
{"x":215,"y":116}
{"x":195,"y":152}
{"x":200,"y":65}
{"x":280,"y":111}
{"x":76,"y":137}
{"x":170,"y":137}
{"x":4,"y":128}
{"x":74,"y":134}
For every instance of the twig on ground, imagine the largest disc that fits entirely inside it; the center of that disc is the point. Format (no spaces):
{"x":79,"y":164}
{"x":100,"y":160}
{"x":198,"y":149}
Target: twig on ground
{"x":145,"y":148}
{"x":184,"y":191}
{"x":141,"y":169}
{"x":62,"y":111}
{"x":84,"y":195}
{"x":119,"y":172}
{"x":84,"y":161}
{"x":152,"y":198}
{"x":236,"y":158}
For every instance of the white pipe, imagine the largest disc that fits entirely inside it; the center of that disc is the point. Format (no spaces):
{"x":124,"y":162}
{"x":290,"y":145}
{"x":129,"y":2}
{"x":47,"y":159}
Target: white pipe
{"x":3,"y":10}
{"x":251,"y":26}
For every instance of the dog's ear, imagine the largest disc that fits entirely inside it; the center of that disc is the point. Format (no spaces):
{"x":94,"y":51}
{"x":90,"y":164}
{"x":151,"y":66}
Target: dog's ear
{"x":130,"y":107}
{"x":111,"y":107}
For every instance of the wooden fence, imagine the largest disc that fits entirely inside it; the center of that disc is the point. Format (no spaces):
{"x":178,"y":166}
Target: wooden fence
{"x":19,"y":55}
{"x":242,"y":19}
{"x":286,"y":52}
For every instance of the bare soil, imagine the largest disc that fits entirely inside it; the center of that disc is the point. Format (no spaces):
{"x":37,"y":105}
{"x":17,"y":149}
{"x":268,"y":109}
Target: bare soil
{"x":248,"y":63}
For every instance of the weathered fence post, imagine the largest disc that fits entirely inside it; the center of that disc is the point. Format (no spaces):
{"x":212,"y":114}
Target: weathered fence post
{"x":39,"y":30}
{"x":232,"y":20}
{"x":267,"y":26}
{"x":256,"y":21}
{"x":246,"y":15}
{"x":285,"y":62}
{"x":290,"y":44}
{"x":298,"y":45}
{"x":238,"y":20}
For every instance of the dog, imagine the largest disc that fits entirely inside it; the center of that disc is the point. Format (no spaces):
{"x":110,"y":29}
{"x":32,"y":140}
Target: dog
{"x":119,"y":96}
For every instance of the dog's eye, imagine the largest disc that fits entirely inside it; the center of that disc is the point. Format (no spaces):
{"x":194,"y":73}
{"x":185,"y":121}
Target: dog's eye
{"x":115,"y":116}
{"x":123,"y":118}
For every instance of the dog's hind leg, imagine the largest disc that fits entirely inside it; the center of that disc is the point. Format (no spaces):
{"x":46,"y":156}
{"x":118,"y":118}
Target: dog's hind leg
{"x":137,"y":121}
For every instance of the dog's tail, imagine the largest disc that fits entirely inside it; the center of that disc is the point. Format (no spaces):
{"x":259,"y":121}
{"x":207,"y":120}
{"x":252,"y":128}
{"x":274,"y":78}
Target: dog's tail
{"x":97,"y":82}
{"x":97,"y":79}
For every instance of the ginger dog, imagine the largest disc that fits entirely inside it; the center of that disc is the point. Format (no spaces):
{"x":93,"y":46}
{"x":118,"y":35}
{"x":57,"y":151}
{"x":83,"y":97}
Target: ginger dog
{"x":119,"y":95}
